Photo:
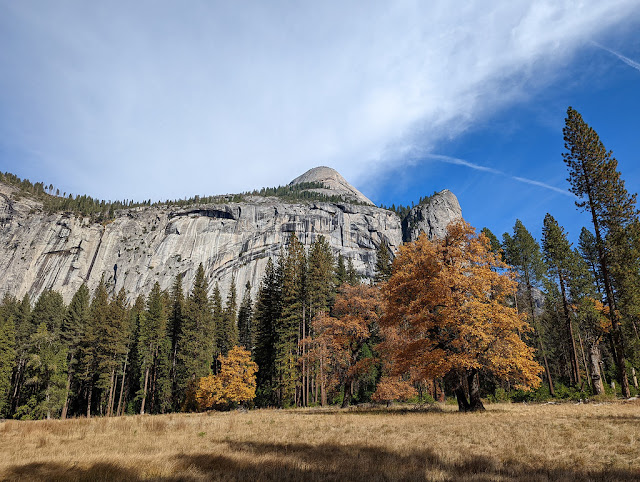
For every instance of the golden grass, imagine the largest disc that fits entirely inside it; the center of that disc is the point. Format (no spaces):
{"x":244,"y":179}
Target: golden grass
{"x":507,"y":442}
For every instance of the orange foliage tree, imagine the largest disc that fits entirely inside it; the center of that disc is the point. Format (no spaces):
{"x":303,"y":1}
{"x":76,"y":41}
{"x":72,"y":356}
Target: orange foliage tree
{"x":337,"y":346}
{"x":447,"y":315}
{"x":236,"y":382}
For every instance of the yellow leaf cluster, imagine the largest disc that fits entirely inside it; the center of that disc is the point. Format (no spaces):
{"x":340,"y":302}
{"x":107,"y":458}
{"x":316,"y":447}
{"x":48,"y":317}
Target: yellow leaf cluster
{"x":236,"y":382}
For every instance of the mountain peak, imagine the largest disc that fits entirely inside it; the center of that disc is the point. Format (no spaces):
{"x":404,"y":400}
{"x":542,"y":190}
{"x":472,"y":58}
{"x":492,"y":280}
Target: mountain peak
{"x":334,"y":182}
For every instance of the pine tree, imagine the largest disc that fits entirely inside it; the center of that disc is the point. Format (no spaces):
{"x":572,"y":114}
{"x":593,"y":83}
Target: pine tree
{"x":153,"y":352}
{"x":46,"y":367}
{"x":24,"y":328}
{"x":559,"y":257}
{"x":383,"y":263}
{"x":75,"y":322}
{"x":196,"y":344}
{"x":245,"y":320}
{"x":90,"y":354}
{"x":7,"y":348}
{"x":268,"y":311}
{"x":600,"y":191}
{"x":523,"y":253}
{"x":341,"y":270}
{"x":218,"y":322}
{"x":175,"y":328}
{"x":230,"y":320}
{"x":289,"y":325}
{"x":493,"y":240}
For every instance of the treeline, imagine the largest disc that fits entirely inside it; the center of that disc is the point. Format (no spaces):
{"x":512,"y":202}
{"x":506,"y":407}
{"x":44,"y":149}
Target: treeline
{"x":403,"y":211}
{"x":584,"y":301}
{"x":102,"y":211}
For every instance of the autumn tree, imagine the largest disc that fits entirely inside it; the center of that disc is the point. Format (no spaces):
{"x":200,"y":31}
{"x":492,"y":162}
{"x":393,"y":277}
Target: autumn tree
{"x":345,"y":333}
{"x":235,"y":384}
{"x":597,"y":184}
{"x":447,"y":301}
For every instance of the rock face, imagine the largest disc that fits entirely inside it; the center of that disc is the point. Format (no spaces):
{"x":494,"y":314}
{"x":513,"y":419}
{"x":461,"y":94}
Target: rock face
{"x":335,"y":183}
{"x":145,"y":245}
{"x":432,"y":217}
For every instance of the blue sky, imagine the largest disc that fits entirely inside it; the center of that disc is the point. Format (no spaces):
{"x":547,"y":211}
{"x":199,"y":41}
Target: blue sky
{"x":162,"y":99}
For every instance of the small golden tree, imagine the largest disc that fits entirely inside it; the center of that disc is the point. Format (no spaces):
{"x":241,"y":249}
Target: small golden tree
{"x":447,"y":315}
{"x":236,"y":382}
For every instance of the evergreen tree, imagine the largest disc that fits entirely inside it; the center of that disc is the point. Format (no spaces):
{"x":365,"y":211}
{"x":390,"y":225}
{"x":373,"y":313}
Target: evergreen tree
{"x":268,"y":311}
{"x":559,"y":257}
{"x":196,"y":344}
{"x":523,"y":253}
{"x":7,"y":349}
{"x":245,"y":320}
{"x":230,"y":320}
{"x":352,"y":276}
{"x":75,"y":322}
{"x":218,"y":322}
{"x":383,"y":263}
{"x":320,"y":278}
{"x":175,"y":328}
{"x":600,"y":191}
{"x":24,"y":328}
{"x":46,"y":366}
{"x":153,"y":352}
{"x":289,"y":325}
{"x":341,"y":270}
{"x":90,"y":356}
{"x":493,"y":240}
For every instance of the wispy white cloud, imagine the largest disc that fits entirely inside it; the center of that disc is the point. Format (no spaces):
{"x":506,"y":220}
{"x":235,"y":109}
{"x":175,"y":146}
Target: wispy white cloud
{"x":479,"y":167}
{"x":164,"y":99}
{"x":626,"y":60}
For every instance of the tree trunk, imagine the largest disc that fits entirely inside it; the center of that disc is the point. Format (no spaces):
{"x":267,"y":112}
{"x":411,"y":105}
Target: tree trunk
{"x":144,"y":391}
{"x":635,"y":379}
{"x":539,"y":336}
{"x":584,"y":359}
{"x":463,"y":404}
{"x":89,"y":394}
{"x":65,"y":407}
{"x":618,"y":339}
{"x":594,"y":358}
{"x":575,"y":368}
{"x":346,"y":400}
{"x":124,"y":375}
{"x":474,"y":392}
{"x":111,"y":389}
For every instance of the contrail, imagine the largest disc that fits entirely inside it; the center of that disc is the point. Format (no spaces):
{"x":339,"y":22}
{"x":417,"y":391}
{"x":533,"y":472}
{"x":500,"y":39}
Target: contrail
{"x":626,"y":60}
{"x":478,"y":167}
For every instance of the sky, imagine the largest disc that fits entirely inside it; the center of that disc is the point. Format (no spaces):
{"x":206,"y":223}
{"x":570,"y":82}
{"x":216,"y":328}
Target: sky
{"x":165,"y":99}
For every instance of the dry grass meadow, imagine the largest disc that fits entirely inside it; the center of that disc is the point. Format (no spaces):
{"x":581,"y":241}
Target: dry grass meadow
{"x":507,"y":442}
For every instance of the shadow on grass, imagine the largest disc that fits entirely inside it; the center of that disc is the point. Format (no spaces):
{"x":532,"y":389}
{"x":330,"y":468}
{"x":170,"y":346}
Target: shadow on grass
{"x":326,"y":462}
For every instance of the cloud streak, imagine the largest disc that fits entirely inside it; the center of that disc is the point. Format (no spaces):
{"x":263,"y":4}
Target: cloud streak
{"x":630,"y":62}
{"x":157,"y":99}
{"x":478,"y":167}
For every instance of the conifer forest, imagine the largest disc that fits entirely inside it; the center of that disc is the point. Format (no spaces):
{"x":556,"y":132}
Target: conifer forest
{"x":469,"y":317}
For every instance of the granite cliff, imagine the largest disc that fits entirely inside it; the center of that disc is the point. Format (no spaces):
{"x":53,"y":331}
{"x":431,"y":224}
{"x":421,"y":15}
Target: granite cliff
{"x":40,"y":250}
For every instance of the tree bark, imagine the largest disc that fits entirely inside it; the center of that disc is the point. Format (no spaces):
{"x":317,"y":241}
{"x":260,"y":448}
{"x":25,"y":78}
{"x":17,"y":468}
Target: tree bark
{"x":575,"y":368}
{"x":594,"y":358}
{"x":144,"y":392}
{"x":475,"y":403}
